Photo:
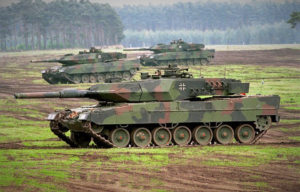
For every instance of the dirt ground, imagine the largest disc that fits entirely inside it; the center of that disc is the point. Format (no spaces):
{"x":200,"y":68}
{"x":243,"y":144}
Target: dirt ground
{"x":177,"y":178}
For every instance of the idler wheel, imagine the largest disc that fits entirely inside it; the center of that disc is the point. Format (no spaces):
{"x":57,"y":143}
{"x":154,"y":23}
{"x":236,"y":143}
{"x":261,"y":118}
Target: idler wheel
{"x":82,"y":139}
{"x":202,"y":135}
{"x":141,"y":137}
{"x":181,"y":135}
{"x":161,"y":136}
{"x":263,"y":122}
{"x":223,"y":134}
{"x":244,"y":133}
{"x":119,"y":137}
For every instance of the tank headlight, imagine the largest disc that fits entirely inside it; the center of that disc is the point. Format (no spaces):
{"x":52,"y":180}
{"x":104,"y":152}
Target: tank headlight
{"x":44,"y":71}
{"x":62,"y":70}
{"x":138,"y":57}
{"x":52,"y":116}
{"x":152,"y":56}
{"x":83,"y":116}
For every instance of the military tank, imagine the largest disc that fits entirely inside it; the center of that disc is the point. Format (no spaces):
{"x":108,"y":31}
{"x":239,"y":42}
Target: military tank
{"x":160,"y":111}
{"x":90,"y":67}
{"x":177,"y":52}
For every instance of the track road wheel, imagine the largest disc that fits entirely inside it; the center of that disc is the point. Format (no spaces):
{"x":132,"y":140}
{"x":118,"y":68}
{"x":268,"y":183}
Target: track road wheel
{"x":126,"y":76}
{"x":101,"y":78}
{"x":244,"y":133}
{"x":85,"y":79}
{"x":119,"y":137}
{"x":161,"y":136}
{"x":223,"y":134}
{"x":141,"y":137}
{"x":93,"y":79}
{"x":181,"y":135}
{"x":190,"y":62}
{"x":203,"y":61}
{"x":202,"y":135}
{"x":208,"y":59}
{"x":82,"y":139}
{"x":197,"y":62}
{"x":77,"y":78}
{"x":118,"y":75}
{"x":109,"y":76}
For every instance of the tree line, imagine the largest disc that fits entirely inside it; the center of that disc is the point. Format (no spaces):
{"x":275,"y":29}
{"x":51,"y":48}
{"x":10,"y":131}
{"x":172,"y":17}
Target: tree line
{"x":209,"y":15}
{"x":58,"y":24}
{"x":36,"y":25}
{"x":278,"y":33}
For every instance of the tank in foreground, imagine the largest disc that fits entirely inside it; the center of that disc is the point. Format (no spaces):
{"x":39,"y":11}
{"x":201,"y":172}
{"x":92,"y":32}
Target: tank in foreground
{"x":160,"y":111}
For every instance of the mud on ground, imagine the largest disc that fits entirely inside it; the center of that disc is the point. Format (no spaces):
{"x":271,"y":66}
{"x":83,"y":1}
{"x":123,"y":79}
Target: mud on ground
{"x":188,"y":177}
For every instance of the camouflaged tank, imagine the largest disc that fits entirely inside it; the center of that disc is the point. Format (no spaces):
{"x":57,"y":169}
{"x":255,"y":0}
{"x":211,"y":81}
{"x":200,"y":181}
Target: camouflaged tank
{"x":176,"y":53}
{"x":90,"y":67}
{"x":161,"y":110}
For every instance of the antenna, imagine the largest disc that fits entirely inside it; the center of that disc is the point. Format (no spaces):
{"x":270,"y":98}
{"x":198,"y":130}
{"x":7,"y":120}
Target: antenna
{"x":227,"y":50}
{"x":262,"y":85}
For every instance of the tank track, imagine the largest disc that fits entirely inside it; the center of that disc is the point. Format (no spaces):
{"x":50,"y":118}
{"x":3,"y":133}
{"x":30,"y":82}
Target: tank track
{"x":100,"y":141}
{"x":104,"y":143}
{"x":55,"y":129}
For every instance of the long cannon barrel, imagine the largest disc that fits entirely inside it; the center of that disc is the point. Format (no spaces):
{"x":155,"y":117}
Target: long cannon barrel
{"x":48,"y":61}
{"x":66,"y":93}
{"x":138,"y":49}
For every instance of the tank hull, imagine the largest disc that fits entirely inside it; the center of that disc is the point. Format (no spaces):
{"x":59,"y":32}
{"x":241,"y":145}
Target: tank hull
{"x":92,"y":73}
{"x":199,"y":57}
{"x":251,"y":114}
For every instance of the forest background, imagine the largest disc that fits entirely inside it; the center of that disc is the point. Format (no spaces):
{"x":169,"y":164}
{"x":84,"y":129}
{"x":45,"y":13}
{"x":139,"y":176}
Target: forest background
{"x":37,"y":25}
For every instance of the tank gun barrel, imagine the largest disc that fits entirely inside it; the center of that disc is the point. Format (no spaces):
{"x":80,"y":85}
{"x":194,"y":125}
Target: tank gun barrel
{"x":138,"y":49}
{"x":48,"y":61}
{"x":66,"y":93}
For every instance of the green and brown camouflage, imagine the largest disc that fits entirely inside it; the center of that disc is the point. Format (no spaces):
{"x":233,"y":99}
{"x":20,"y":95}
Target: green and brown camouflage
{"x":91,"y":67}
{"x":177,"y":52}
{"x":93,"y":56}
{"x":160,"y":111}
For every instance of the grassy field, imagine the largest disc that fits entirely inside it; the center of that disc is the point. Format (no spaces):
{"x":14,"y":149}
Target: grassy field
{"x":33,"y":159}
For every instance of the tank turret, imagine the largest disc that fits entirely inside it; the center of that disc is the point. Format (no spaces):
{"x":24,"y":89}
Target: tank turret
{"x":151,"y":90}
{"x":84,"y":57}
{"x":177,"y":52}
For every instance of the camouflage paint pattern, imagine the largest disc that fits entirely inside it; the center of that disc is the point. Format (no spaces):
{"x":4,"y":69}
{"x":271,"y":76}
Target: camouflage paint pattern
{"x":86,"y":67}
{"x":179,"y":104}
{"x":178,"y":52}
